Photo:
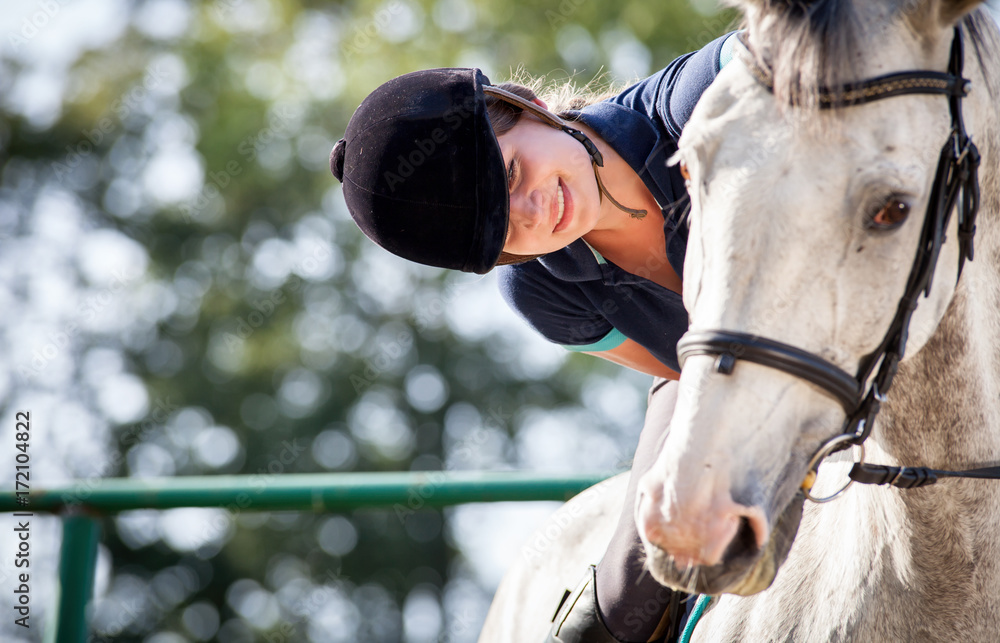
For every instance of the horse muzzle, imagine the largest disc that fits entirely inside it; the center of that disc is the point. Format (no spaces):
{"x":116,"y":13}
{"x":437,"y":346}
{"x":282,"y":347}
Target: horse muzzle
{"x":728,"y":549}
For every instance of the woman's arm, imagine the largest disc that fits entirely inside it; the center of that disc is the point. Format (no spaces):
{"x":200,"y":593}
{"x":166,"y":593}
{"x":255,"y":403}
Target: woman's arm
{"x":632,"y":355}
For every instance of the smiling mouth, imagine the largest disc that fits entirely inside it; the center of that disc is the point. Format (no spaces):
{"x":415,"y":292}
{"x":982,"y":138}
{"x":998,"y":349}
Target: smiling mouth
{"x":561,"y":206}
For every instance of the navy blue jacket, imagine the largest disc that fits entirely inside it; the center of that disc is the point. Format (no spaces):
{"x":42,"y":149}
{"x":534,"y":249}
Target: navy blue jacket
{"x":573,"y":296}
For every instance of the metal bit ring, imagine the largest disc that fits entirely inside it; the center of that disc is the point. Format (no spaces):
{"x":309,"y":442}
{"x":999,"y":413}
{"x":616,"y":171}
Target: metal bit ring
{"x":824,"y":451}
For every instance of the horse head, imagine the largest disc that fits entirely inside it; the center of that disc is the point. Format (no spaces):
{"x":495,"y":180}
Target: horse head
{"x":804,"y":227}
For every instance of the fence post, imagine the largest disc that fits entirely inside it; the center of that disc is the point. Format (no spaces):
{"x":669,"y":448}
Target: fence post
{"x":77,"y":564}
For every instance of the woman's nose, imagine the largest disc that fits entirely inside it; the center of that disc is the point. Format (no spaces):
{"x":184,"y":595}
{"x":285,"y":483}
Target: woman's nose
{"x":527,"y":208}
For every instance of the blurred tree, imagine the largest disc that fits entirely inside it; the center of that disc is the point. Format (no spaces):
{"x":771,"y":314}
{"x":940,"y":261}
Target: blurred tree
{"x":187,"y":294}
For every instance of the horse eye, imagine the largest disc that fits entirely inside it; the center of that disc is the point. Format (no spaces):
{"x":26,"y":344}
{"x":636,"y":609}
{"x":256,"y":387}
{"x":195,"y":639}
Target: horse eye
{"x":892,"y":214}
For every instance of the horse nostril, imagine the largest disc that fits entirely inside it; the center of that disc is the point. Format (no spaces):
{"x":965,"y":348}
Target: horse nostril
{"x":744,"y":543}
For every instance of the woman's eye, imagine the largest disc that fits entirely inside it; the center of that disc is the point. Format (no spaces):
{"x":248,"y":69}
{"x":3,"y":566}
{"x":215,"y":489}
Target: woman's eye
{"x":891,"y":215}
{"x":511,"y":174}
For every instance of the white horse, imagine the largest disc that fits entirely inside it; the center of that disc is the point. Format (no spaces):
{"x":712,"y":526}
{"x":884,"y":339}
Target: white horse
{"x":805,"y":229}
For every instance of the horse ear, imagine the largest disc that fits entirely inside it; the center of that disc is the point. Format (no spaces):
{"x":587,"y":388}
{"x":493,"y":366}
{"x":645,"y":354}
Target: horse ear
{"x":927,"y":16}
{"x":948,"y":12}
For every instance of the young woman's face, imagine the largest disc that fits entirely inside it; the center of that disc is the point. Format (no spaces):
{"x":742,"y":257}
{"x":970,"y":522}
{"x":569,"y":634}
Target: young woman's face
{"x":554,"y":199}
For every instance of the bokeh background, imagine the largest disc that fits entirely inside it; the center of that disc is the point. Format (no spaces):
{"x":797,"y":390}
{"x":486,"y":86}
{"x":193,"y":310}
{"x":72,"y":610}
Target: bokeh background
{"x":183,"y":292}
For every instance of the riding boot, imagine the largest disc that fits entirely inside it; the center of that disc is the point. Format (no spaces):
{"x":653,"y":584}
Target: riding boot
{"x":578,"y":619}
{"x":626,"y":588}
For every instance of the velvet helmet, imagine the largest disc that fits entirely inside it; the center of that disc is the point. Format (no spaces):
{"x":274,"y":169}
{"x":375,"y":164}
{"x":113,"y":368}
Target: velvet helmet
{"x":422,"y":171}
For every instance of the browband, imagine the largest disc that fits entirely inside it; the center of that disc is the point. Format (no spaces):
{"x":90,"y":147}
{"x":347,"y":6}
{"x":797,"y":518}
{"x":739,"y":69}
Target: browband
{"x":887,"y":86}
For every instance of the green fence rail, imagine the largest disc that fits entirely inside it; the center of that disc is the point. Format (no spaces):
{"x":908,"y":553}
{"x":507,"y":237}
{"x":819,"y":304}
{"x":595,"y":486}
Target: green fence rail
{"x":82,"y":502}
{"x":303,"y":492}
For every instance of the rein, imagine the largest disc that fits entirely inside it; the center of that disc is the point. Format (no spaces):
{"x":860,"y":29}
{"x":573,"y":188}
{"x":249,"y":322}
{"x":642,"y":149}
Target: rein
{"x":957,"y":171}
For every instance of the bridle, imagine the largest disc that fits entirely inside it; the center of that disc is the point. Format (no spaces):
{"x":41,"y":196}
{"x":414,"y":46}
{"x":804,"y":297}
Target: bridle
{"x":957,"y":171}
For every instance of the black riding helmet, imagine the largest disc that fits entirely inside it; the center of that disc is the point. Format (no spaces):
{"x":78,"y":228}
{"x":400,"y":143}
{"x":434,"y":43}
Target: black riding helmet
{"x":422,"y":170}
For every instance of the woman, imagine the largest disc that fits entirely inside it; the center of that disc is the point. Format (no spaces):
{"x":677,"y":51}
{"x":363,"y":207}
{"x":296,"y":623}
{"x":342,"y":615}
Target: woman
{"x":581,"y":210}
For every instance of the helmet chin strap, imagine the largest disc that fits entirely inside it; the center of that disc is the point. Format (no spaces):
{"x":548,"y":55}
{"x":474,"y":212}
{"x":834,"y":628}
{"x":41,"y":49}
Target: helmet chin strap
{"x":547,"y":117}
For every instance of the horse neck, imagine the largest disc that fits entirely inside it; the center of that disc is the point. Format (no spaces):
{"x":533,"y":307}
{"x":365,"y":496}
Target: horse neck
{"x":942,"y":410}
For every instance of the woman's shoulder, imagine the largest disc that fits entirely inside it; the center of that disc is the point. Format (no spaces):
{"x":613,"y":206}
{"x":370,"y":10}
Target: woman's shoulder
{"x":553,"y":299}
{"x":556,"y":280}
{"x":670,"y":94}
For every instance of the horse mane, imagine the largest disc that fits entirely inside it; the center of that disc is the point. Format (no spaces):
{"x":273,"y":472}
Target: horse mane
{"x":982,"y":32}
{"x":813,"y":44}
